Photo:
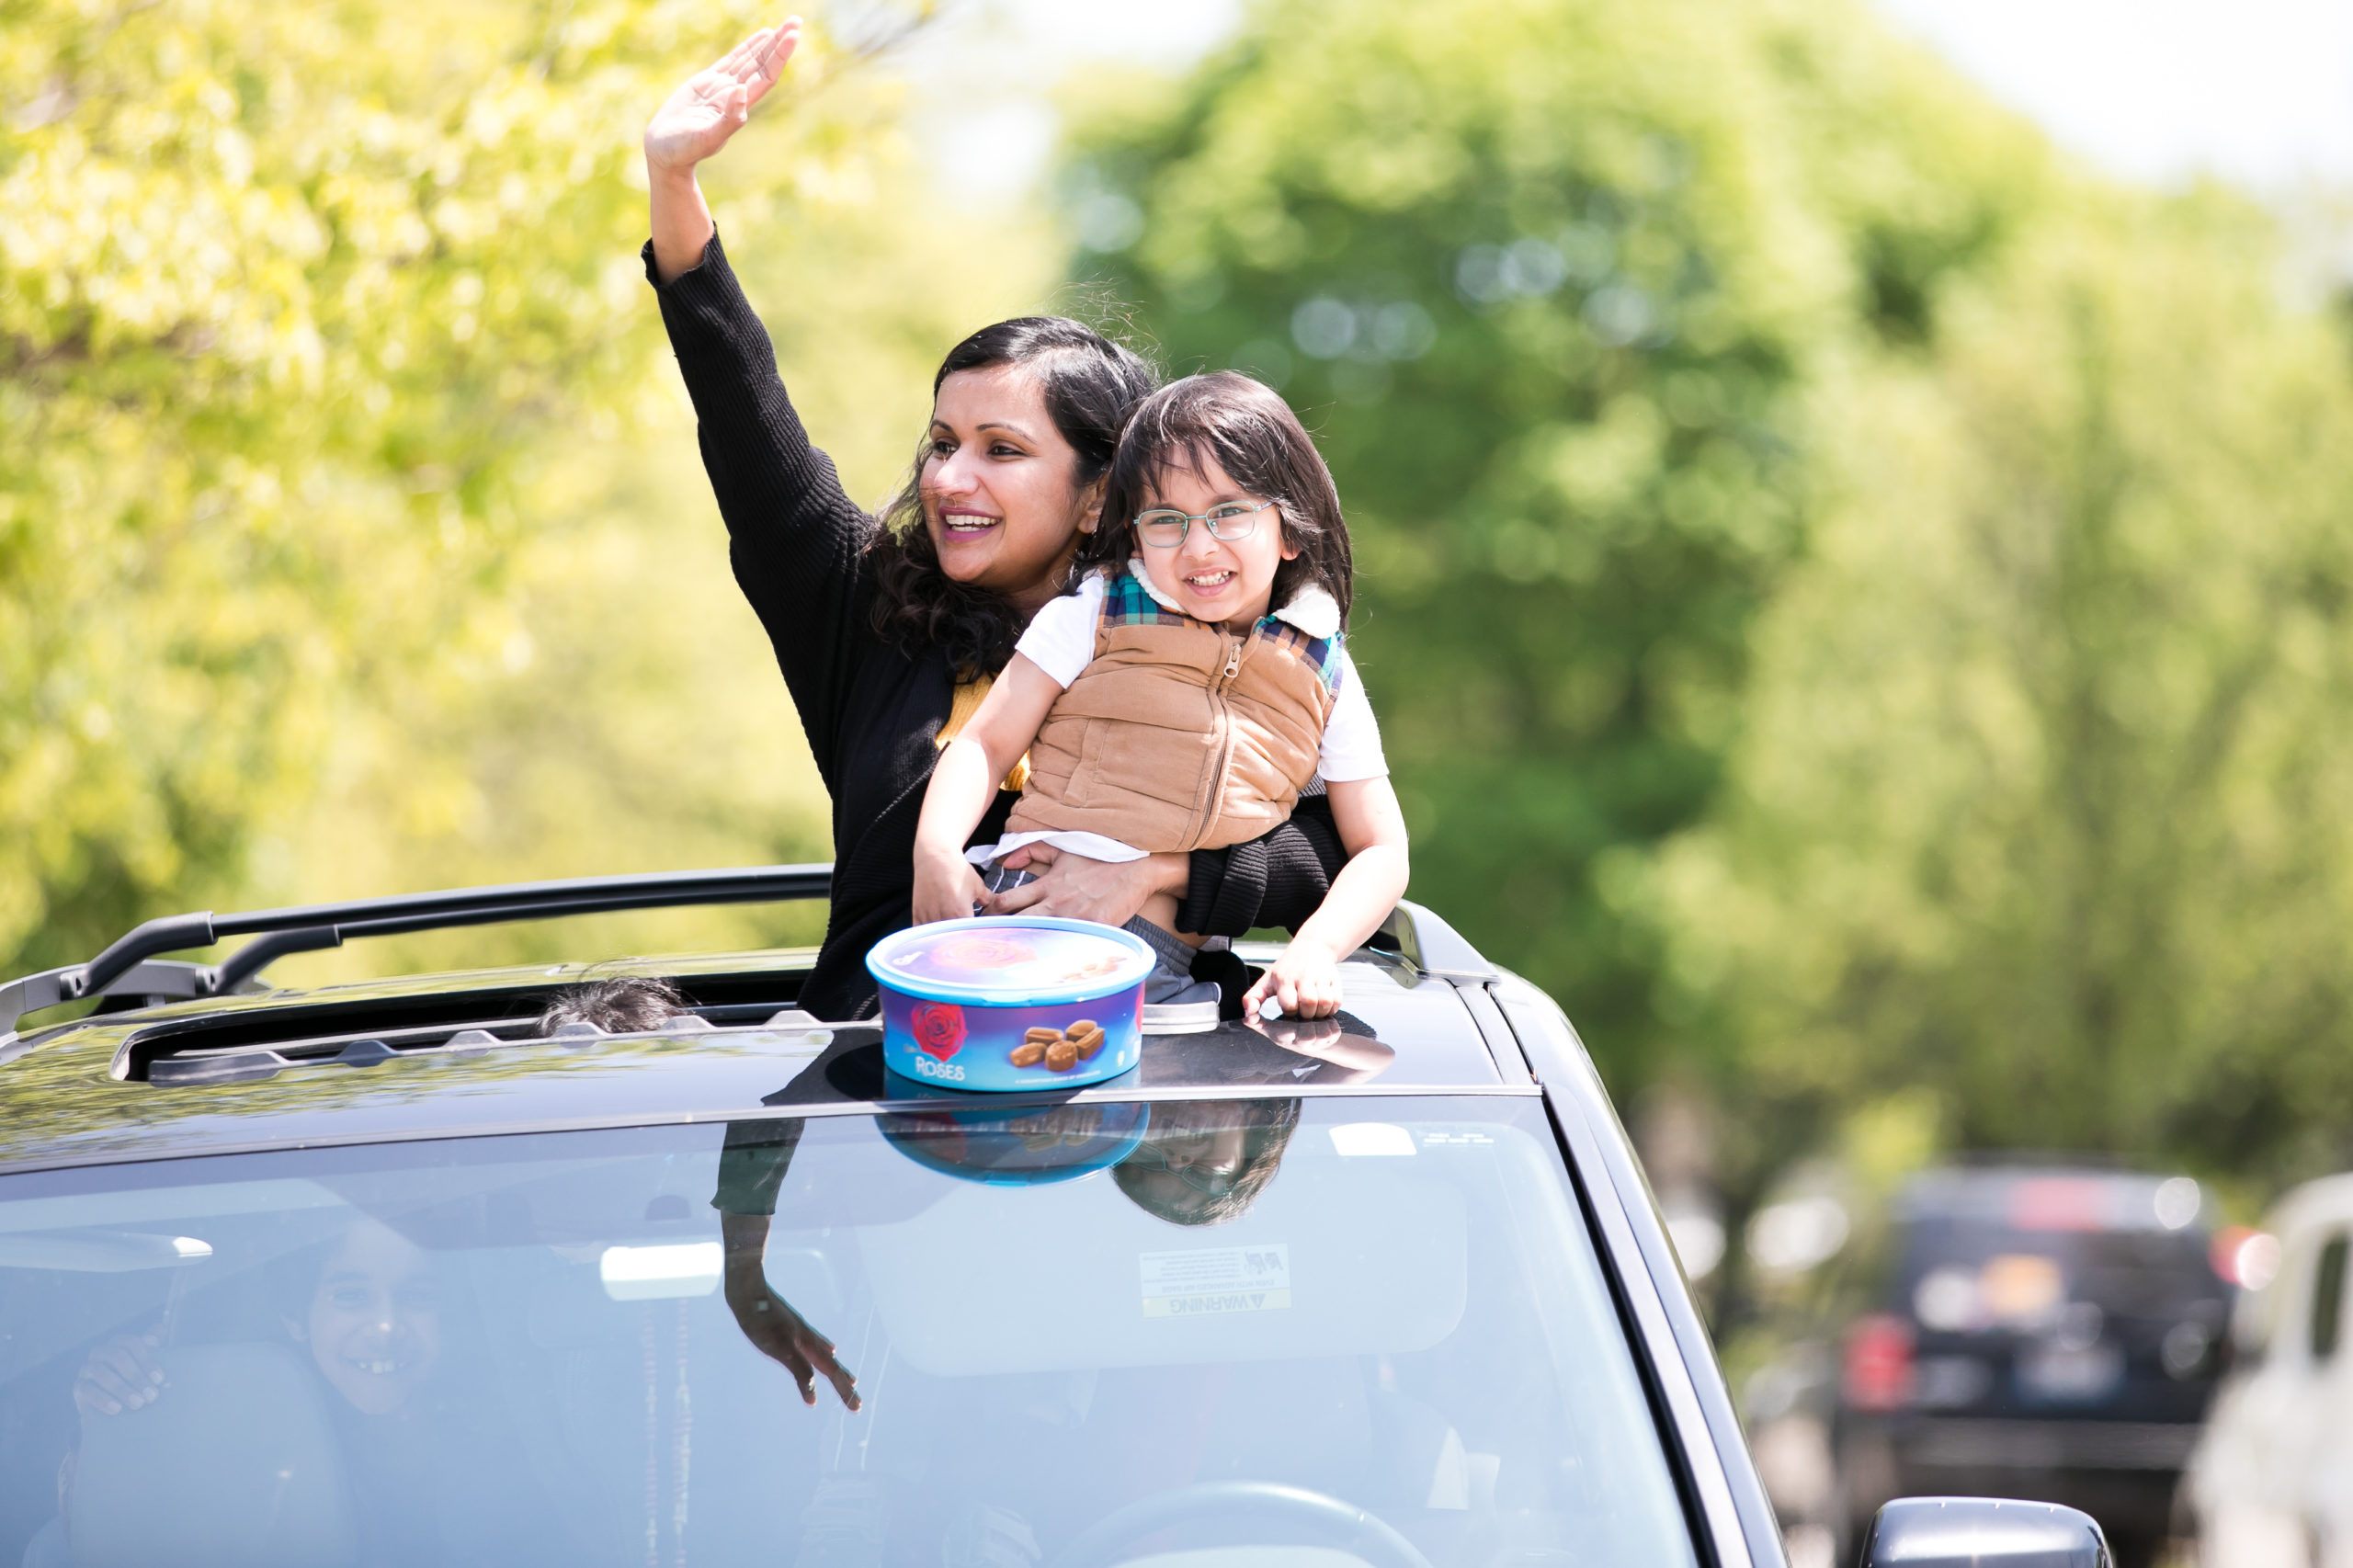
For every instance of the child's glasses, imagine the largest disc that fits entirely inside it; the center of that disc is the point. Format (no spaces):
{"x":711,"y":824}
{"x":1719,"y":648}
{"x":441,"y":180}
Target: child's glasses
{"x":1233,"y":521}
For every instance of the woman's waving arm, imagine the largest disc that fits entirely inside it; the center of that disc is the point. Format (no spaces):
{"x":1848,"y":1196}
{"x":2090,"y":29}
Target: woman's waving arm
{"x":796,"y":540}
{"x":694,"y":123}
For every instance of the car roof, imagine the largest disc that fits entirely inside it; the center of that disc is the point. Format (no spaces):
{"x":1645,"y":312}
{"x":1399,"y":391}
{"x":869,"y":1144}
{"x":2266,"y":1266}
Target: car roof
{"x":459,"y":1054}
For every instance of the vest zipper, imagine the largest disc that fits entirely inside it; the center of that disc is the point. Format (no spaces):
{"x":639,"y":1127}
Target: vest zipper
{"x":1216,"y":794}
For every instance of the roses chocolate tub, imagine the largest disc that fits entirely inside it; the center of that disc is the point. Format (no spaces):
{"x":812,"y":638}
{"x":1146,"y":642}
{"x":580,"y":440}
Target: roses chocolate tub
{"x":1011,"y":1002}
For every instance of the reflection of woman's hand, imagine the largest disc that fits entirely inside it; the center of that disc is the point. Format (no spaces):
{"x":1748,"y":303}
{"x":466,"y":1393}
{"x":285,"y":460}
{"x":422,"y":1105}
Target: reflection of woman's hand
{"x":120,"y":1375}
{"x":696,"y":121}
{"x":1326,"y":1040}
{"x":768,"y":1321}
{"x":1075,"y":888}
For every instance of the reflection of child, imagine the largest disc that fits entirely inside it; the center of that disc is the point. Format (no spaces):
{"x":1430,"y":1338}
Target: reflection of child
{"x":1205,"y":1162}
{"x":1190,"y":689}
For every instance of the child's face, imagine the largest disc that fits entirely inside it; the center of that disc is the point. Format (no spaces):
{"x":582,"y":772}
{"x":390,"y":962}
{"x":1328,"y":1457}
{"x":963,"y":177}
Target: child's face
{"x":1227,"y":581}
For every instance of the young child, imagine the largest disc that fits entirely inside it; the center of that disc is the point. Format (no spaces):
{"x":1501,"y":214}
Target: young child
{"x":1189,"y":689}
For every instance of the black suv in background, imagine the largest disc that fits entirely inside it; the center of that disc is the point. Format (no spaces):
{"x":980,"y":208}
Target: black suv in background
{"x":2046,"y":1333}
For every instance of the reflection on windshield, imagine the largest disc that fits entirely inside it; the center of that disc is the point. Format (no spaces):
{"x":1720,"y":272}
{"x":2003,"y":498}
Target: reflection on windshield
{"x":1100,"y":1331}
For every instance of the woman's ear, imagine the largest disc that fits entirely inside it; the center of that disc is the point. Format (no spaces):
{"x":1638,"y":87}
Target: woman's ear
{"x":1090,"y":504}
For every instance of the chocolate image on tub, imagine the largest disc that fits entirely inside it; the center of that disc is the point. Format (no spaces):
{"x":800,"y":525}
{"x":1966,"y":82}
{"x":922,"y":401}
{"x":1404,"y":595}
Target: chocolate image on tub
{"x":1058,"y":1050}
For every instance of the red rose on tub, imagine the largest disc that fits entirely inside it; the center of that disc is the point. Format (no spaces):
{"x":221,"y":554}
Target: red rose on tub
{"x":939,"y":1028}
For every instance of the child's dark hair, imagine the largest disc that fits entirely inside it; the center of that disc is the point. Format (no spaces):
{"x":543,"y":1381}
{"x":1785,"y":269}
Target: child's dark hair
{"x":1248,"y":430}
{"x":629,"y":1004}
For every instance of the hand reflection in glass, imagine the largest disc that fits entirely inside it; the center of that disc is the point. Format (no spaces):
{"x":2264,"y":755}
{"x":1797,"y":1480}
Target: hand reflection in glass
{"x":1325,"y":1040}
{"x":768,"y":1321}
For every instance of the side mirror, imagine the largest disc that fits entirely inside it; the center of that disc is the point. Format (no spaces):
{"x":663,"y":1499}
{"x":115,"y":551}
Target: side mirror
{"x":1982,"y":1533}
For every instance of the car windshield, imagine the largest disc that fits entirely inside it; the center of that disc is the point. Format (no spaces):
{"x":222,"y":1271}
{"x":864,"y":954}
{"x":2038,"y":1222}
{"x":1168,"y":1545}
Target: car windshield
{"x":1362,"y":1330}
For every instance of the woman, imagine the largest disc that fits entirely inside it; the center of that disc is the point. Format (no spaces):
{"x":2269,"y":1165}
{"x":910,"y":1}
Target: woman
{"x":890,"y":630}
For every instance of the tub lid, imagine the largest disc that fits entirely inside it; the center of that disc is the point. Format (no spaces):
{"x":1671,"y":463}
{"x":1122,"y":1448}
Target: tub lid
{"x":1010,"y":961}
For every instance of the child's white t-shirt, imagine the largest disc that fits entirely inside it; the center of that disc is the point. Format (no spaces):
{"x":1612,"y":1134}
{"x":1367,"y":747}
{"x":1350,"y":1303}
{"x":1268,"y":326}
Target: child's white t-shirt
{"x":1059,"y":640}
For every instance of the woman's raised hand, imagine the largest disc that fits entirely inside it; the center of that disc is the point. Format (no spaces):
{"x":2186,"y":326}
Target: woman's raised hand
{"x":697,"y":120}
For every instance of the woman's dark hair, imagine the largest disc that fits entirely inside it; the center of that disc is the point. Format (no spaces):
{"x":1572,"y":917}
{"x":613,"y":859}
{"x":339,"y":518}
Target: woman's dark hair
{"x":1090,"y":383}
{"x":1248,"y":430}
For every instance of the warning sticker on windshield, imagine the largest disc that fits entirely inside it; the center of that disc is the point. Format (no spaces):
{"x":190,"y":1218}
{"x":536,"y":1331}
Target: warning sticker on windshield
{"x":1216,"y":1280}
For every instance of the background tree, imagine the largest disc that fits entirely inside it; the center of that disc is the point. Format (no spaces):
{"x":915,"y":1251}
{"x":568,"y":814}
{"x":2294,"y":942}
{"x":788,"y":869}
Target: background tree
{"x":351,"y":535}
{"x":1858,"y":606}
{"x":2035,"y":801}
{"x":1552,"y":282}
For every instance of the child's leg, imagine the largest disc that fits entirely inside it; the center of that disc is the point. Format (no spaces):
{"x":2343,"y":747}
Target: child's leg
{"x":996,"y":879}
{"x":1171,"y":980}
{"x":1161,"y":909}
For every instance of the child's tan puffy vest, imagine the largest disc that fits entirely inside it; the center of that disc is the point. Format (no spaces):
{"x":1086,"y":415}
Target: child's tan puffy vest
{"x":1181,"y":735}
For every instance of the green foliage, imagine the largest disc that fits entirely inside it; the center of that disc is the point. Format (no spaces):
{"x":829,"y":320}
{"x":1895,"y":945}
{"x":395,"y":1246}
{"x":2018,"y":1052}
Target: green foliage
{"x":351,"y":533}
{"x":1551,"y":281}
{"x":2036,"y":800}
{"x":1858,"y":607}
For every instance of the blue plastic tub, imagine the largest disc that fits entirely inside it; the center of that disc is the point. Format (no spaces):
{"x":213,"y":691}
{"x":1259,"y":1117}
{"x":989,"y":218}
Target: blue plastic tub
{"x":1014,"y":1002}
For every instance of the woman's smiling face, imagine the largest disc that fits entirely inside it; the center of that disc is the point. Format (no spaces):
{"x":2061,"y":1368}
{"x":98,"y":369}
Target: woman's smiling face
{"x":997,"y":485}
{"x":374,"y":1324}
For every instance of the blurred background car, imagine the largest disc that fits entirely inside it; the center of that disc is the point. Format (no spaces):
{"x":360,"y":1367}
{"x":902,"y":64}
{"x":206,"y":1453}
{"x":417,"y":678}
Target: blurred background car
{"x":2270,"y":1486}
{"x":2049,"y":1332}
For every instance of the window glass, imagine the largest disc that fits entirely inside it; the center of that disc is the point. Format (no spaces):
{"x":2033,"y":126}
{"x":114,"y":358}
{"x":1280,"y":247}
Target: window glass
{"x":2328,"y":1299}
{"x":1122,"y":1330}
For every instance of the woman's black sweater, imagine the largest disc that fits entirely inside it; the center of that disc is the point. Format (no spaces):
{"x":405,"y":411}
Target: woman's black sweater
{"x":871,"y":708}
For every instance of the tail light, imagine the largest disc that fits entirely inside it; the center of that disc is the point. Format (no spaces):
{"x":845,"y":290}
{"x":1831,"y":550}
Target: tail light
{"x":1879,"y":1363}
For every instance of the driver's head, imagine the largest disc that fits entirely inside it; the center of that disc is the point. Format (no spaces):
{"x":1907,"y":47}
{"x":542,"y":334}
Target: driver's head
{"x":1205,"y":1162}
{"x":373,"y":1320}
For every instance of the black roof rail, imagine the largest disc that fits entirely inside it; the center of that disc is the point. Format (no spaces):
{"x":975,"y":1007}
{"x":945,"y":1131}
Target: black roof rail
{"x":127,"y":966}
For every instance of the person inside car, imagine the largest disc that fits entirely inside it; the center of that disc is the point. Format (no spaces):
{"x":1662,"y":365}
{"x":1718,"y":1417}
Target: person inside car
{"x":1188,"y":691}
{"x":890,"y":630}
{"x":430,"y":1481}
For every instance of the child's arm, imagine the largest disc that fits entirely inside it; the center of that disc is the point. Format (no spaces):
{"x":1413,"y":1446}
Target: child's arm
{"x":1306,"y":979}
{"x":964,"y":782}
